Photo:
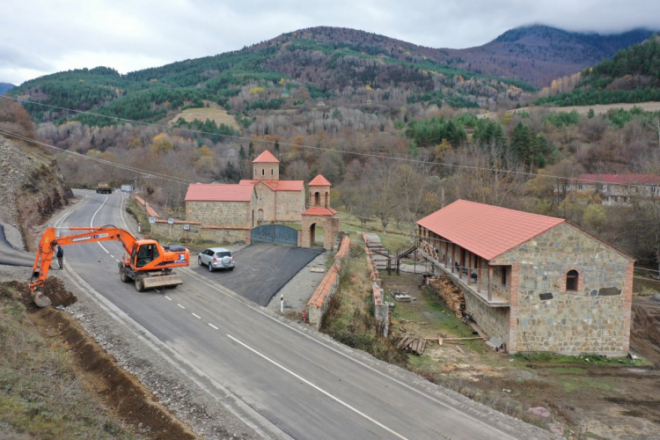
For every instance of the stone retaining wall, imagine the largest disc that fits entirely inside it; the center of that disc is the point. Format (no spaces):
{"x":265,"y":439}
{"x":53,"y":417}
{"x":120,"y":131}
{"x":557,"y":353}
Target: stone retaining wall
{"x":318,"y":303}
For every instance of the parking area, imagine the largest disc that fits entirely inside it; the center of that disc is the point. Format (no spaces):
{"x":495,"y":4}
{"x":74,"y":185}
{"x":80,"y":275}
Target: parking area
{"x":261,"y":270}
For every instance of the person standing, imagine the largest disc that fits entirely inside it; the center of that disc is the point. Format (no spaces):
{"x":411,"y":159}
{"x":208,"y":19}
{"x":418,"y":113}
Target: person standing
{"x":60,"y":256}
{"x":139,"y":228}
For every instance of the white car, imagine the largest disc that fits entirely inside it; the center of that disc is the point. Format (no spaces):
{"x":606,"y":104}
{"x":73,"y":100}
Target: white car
{"x":216,"y":258}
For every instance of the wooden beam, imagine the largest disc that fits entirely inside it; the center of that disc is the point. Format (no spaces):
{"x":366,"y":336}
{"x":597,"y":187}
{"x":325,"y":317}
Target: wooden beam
{"x":479,"y":275}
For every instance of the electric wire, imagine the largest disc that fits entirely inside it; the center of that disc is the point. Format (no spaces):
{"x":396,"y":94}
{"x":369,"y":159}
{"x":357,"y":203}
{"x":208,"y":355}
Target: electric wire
{"x":369,"y":155}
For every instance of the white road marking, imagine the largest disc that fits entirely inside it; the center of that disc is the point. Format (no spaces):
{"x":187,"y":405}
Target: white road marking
{"x":91,"y":223}
{"x":112,"y":256}
{"x":157,"y":290}
{"x":168,"y":297}
{"x":336,"y":399}
{"x":180,"y":306}
{"x":235,"y":297}
{"x":196,"y":316}
{"x":214,"y":326}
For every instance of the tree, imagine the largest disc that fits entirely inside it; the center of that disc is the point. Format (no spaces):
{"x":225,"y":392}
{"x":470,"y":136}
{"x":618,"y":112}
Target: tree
{"x":250,"y":151}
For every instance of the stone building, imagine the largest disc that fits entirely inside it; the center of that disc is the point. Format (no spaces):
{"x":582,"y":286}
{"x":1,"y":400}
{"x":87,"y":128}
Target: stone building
{"x":277,"y":200}
{"x":617,"y":189}
{"x":533,"y":282}
{"x":319,"y":214}
{"x":227,"y":209}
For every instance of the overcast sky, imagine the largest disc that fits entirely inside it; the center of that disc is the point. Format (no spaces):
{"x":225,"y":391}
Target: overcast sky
{"x":41,"y":37}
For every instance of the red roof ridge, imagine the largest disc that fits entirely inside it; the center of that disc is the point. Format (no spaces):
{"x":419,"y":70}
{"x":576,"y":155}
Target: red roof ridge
{"x":486,"y":230}
{"x":218,"y":192}
{"x":320,"y":181}
{"x":266,"y":157}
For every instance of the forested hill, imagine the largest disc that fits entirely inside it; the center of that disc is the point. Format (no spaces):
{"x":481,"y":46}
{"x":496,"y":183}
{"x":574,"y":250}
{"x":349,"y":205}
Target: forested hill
{"x":317,"y":66}
{"x":5,"y":87}
{"x":287,"y":72}
{"x":539,"y":54}
{"x":633,"y":75}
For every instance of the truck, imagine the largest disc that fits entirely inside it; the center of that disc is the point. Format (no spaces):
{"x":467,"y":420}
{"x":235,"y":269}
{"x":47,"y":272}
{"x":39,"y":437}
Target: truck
{"x":103,"y":188}
{"x":146,"y":262}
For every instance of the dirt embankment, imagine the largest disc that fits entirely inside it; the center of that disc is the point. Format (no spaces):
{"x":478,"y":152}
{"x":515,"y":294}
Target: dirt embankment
{"x":119,"y":390}
{"x":645,"y":331}
{"x":32,"y":187}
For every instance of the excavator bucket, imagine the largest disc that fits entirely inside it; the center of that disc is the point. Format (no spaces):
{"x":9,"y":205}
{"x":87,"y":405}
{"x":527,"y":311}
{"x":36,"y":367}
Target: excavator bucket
{"x":40,"y":299}
{"x":162,"y":281}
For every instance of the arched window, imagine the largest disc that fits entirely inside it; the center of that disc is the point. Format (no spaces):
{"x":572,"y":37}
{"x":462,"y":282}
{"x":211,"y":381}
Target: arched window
{"x":572,"y":278}
{"x":263,"y":171}
{"x":317,"y":198}
{"x":272,"y":172}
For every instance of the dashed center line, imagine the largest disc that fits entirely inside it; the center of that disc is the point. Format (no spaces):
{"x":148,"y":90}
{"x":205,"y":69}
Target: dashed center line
{"x":196,"y":316}
{"x":180,"y":306}
{"x":213,"y":326}
{"x":168,"y":297}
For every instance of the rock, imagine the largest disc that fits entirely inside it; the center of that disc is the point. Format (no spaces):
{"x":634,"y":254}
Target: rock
{"x":556,"y":429}
{"x":540,"y":413}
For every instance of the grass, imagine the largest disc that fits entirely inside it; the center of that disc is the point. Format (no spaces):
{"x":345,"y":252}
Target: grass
{"x":40,"y":396}
{"x":583,"y":358}
{"x":218,"y":115}
{"x":394,"y":238}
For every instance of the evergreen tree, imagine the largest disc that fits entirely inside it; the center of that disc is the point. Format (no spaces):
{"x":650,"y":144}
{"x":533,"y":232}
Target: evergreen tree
{"x":251,"y":151}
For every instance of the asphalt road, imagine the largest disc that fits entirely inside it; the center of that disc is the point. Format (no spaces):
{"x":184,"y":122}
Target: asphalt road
{"x":11,"y":256}
{"x":295,"y":383}
{"x":261,"y":270}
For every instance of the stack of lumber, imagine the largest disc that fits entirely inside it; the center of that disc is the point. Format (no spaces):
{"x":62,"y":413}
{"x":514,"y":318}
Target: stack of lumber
{"x":412,"y":345}
{"x":452,"y":295}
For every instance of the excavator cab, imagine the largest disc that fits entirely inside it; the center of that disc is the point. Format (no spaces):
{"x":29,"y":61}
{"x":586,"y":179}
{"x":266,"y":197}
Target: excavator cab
{"x":145,"y":255}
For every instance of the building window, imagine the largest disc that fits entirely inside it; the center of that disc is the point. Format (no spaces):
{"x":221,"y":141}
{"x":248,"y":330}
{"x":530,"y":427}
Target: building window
{"x":255,"y":171}
{"x":572,"y":278}
{"x":504,"y":276}
{"x":263,"y":171}
{"x":272,"y":172}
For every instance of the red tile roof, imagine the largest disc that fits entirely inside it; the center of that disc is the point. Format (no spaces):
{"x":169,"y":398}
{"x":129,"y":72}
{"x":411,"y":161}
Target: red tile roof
{"x":320,"y":181}
{"x":201,"y":192}
{"x":320,"y":210}
{"x":619,"y":179}
{"x":277,"y":185}
{"x":266,"y":157}
{"x":485,"y":230}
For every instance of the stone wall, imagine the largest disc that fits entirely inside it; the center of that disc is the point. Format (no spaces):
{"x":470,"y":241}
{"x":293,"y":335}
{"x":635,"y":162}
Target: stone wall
{"x":278,"y":206}
{"x":227,"y":214}
{"x":546,"y":317}
{"x":494,"y":321}
{"x":197,"y":232}
{"x":318,"y":303}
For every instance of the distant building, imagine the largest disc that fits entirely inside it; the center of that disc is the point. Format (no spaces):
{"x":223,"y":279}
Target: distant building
{"x":617,"y":189}
{"x":535,"y":283}
{"x":320,"y":104}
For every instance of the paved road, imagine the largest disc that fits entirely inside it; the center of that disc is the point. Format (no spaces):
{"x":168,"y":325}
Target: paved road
{"x":261,"y":270}
{"x":11,"y":256}
{"x":295,"y":383}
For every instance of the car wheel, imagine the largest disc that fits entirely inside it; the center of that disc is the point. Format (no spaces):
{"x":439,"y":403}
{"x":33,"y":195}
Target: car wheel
{"x":139,"y":285}
{"x":210,"y":267}
{"x":199,"y":261}
{"x":231,"y":268}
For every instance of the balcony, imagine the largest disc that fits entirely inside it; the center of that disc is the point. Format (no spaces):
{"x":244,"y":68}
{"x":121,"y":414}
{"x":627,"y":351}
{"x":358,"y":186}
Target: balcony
{"x":467,"y":279}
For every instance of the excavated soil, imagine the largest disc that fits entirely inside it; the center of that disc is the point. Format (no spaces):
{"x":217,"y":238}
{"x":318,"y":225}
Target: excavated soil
{"x":118,"y":389}
{"x":645,"y":331}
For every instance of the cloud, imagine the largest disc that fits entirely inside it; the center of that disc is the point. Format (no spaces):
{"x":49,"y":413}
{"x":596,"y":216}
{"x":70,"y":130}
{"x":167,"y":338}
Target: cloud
{"x":129,"y":35}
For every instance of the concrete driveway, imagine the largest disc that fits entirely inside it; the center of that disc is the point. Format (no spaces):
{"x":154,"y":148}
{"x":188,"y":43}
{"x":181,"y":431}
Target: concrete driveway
{"x":261,"y":270}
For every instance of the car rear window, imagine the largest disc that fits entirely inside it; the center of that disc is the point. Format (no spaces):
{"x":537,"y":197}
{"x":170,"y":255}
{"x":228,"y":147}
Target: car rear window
{"x":223,"y":254}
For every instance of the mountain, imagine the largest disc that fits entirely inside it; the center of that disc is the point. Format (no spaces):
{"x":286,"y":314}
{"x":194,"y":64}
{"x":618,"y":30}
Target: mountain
{"x":633,"y":75}
{"x":5,"y":87}
{"x":347,"y":66}
{"x":538,"y":54}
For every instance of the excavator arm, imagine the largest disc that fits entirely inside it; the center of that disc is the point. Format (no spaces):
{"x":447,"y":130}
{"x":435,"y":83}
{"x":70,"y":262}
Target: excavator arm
{"x":158,"y":259}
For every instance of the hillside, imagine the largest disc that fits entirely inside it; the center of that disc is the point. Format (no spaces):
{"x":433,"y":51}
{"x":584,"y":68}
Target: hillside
{"x":5,"y":87}
{"x":287,"y":72}
{"x":539,"y":54}
{"x":633,"y":75}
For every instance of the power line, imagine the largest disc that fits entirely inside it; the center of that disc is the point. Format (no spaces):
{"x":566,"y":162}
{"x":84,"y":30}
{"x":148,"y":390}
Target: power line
{"x":369,"y":155}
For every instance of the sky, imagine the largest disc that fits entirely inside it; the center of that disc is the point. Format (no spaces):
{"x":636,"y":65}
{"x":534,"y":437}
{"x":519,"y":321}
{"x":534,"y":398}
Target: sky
{"x":38,"y":37}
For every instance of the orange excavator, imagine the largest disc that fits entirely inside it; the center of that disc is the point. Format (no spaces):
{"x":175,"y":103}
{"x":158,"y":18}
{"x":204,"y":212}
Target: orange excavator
{"x":146,"y":262}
